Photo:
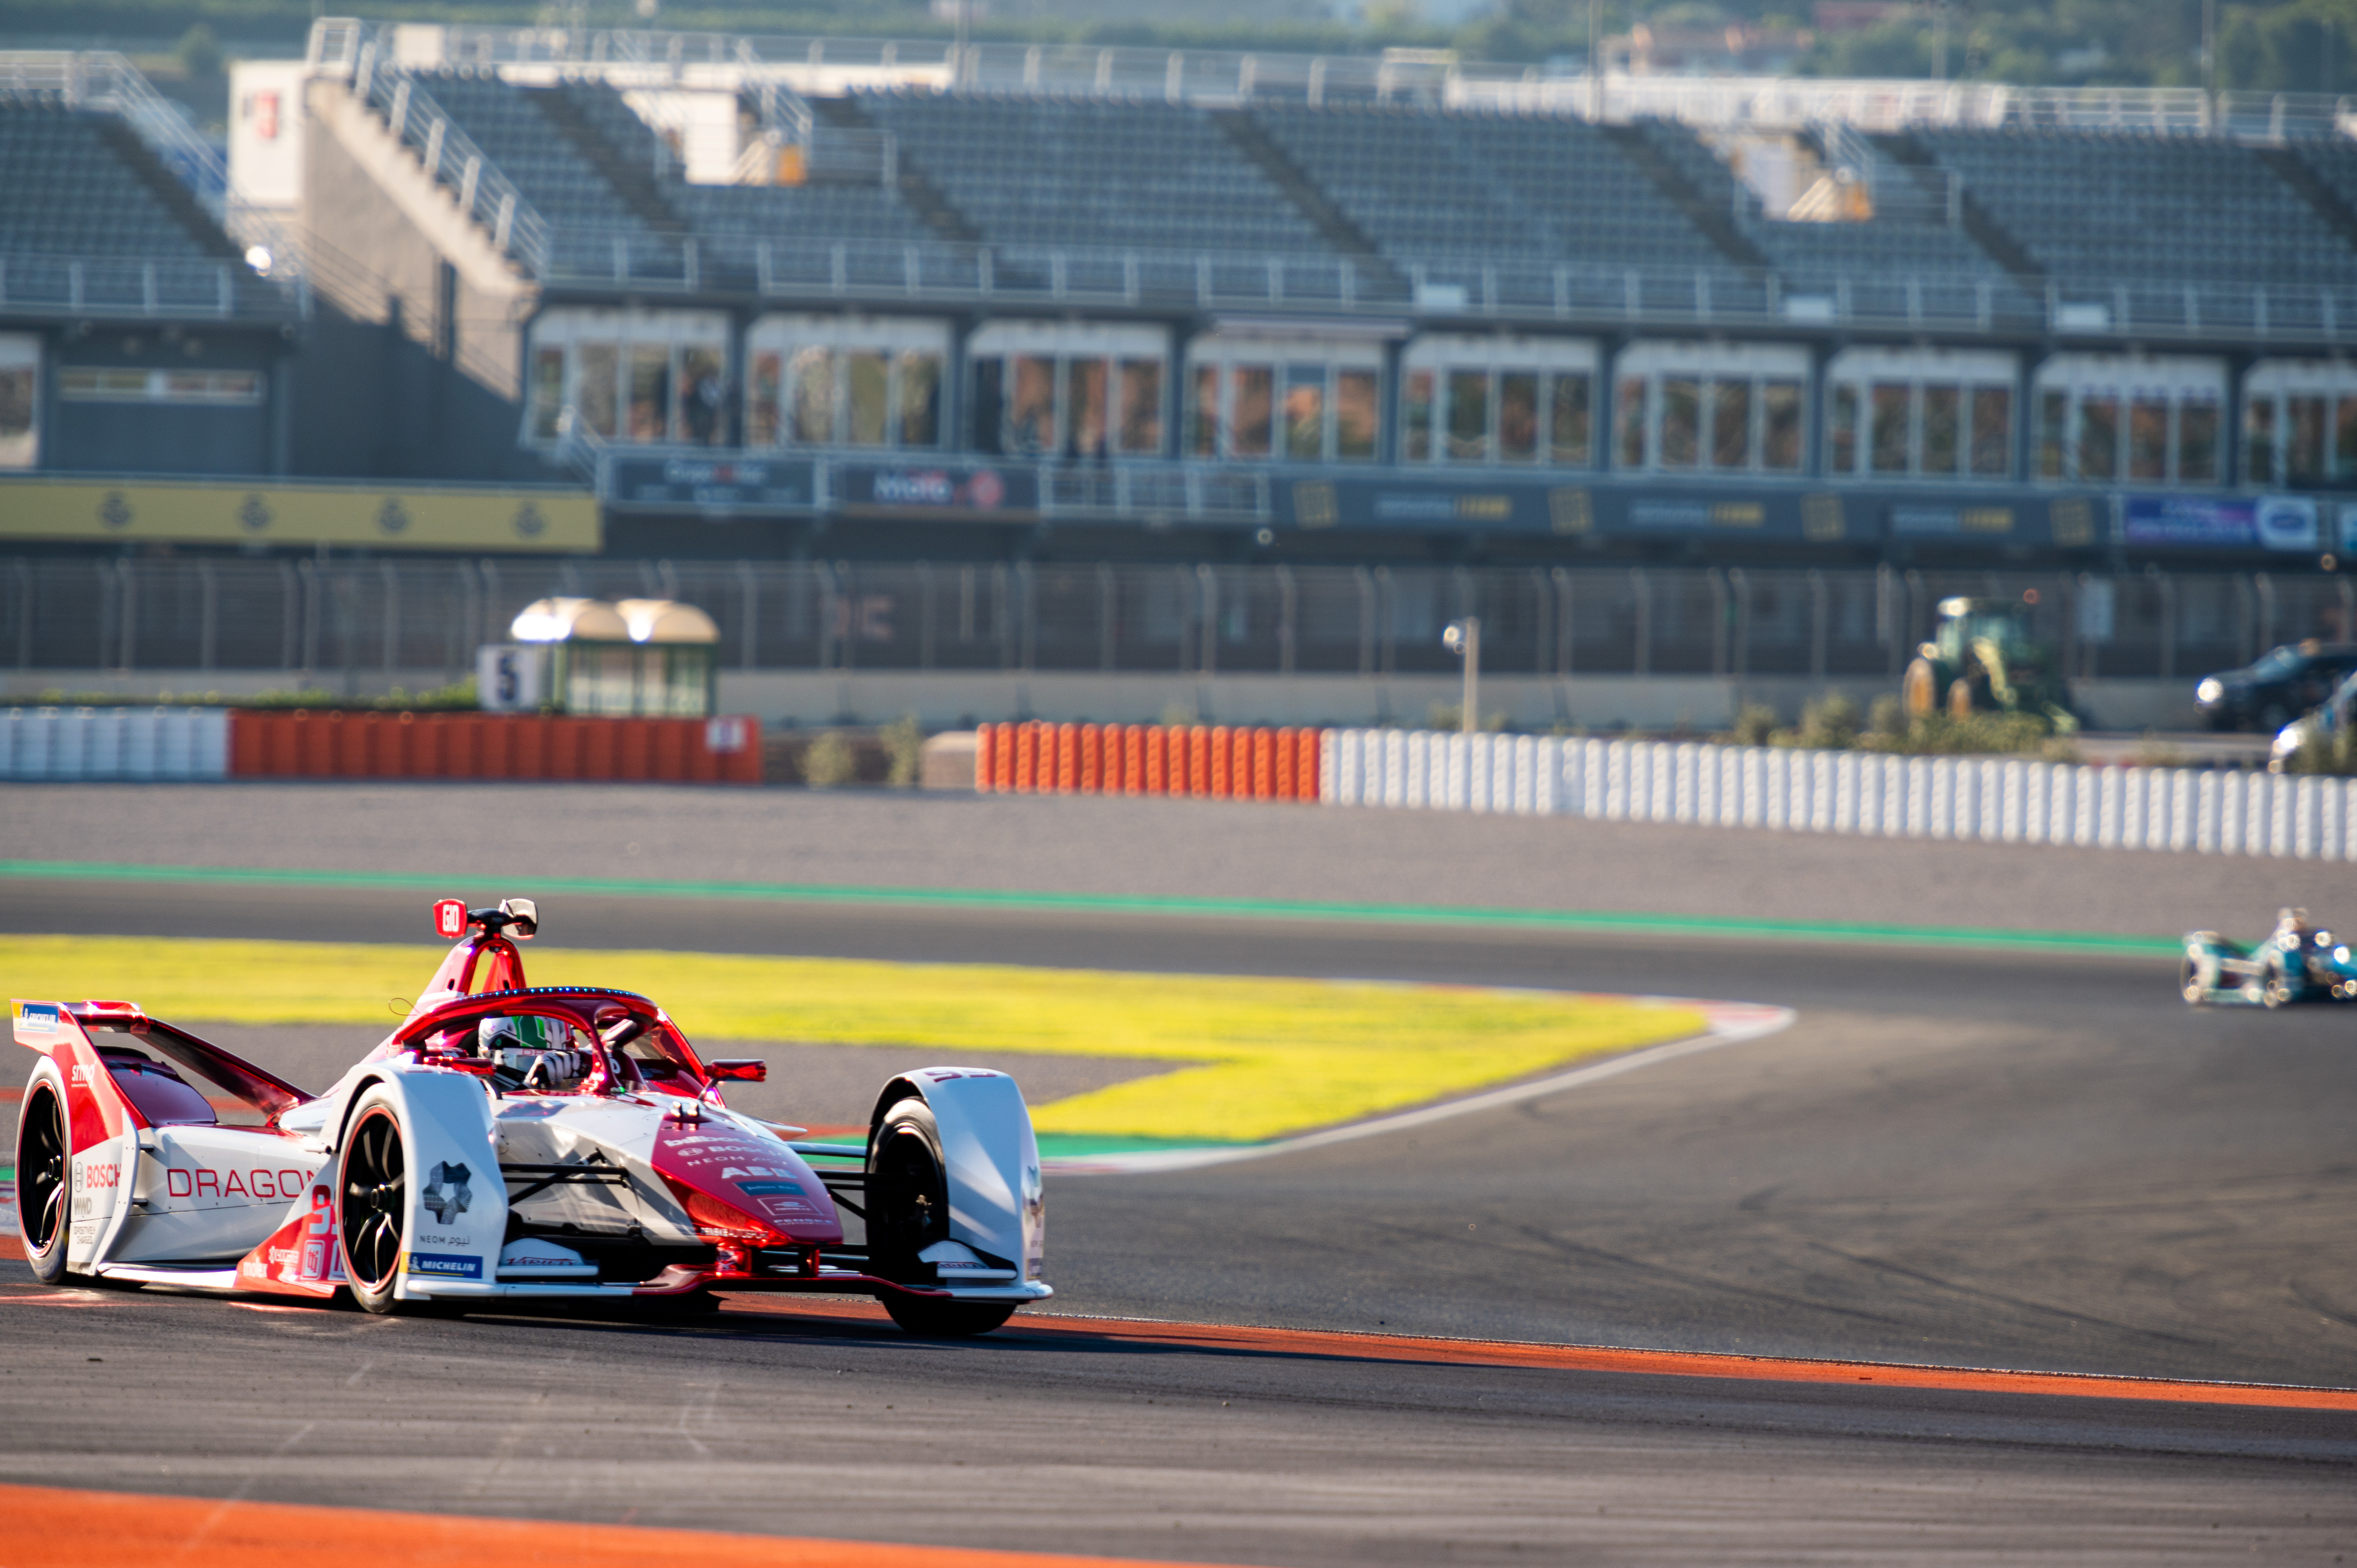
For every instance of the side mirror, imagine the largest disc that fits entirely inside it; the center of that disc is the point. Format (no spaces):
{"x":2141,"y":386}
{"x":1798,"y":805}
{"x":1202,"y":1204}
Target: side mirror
{"x":739,"y":1069}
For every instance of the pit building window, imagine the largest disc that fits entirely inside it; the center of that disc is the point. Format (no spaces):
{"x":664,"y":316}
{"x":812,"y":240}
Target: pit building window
{"x":1515,"y":401}
{"x":655,"y":377}
{"x":844,"y":381}
{"x":1709,"y":408}
{"x":1075,"y":390}
{"x":2109,"y":419}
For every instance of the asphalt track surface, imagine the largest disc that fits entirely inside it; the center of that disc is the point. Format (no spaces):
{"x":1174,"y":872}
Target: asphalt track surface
{"x":1960,"y":1156}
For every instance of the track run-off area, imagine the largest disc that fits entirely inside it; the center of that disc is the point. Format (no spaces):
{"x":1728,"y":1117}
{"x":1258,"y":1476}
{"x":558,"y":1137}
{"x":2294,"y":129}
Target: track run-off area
{"x":1995,"y":1249}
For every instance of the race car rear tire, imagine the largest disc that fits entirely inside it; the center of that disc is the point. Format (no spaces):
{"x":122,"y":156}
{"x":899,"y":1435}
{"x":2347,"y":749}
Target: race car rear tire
{"x":929,"y":1318}
{"x":42,"y":1196}
{"x":373,"y":1204}
{"x":2275,"y":991}
{"x":2189,"y":982}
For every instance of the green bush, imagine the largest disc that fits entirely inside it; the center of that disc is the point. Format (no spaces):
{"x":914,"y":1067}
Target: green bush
{"x":904,"y":747}
{"x":1753,"y":726}
{"x":2334,"y":755}
{"x":1451,"y":716}
{"x":1829,"y":723}
{"x":1886,"y":716}
{"x":827,"y":762}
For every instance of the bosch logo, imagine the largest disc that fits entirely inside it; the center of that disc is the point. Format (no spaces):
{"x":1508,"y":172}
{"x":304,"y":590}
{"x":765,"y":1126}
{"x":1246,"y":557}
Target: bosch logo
{"x":94,"y":1178}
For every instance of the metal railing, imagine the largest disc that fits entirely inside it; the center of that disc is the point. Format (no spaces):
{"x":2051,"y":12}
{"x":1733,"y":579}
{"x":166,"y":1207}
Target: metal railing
{"x":944,"y":273}
{"x":383,"y":83}
{"x":314,"y":623}
{"x":171,"y":288}
{"x":1438,"y":78}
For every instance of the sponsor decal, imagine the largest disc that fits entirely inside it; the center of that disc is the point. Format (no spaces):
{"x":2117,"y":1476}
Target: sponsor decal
{"x":254,"y":515}
{"x":529,"y":1110}
{"x":281,"y":1256}
{"x":985,"y":490}
{"x":2289,"y":522}
{"x":445,"y":1265}
{"x":93,"y":1175}
{"x":1950,"y":519}
{"x":81,"y":1076}
{"x":785,"y":1207}
{"x":766,"y":1188}
{"x":37,"y":1018}
{"x":541,"y":1263}
{"x":2192,"y":520}
{"x":450,"y":918}
{"x":429,"y":1239}
{"x":204,"y":1182}
{"x":1696,"y":514}
{"x":445,"y":1192}
{"x":392,"y":517}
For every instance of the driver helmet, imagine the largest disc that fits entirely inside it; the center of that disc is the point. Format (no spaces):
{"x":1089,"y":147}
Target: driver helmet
{"x":524,"y":1034}
{"x":2293,"y":924}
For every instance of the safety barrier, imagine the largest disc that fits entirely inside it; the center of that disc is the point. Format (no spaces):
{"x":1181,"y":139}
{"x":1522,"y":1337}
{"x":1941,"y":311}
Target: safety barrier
{"x":113,"y":743}
{"x":334,"y":744}
{"x":1218,"y":761}
{"x":1990,"y":800}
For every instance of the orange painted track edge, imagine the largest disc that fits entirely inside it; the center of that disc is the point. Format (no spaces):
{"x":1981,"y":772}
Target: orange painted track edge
{"x":1614,"y":1358}
{"x":1541,"y":1356}
{"x":53,"y":1527}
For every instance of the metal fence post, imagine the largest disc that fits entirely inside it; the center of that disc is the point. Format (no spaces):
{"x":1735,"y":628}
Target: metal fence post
{"x":1207,"y":582}
{"x":1820,"y":624}
{"x":925,"y":616}
{"x":1365,"y":581}
{"x":208,"y":615}
{"x":1026,"y":583}
{"x":1108,"y":611}
{"x":127,"y":608}
{"x":1564,"y":628}
{"x":391,"y":576}
{"x":1288,"y":605}
{"x":1643,"y":588}
{"x":748,"y":619}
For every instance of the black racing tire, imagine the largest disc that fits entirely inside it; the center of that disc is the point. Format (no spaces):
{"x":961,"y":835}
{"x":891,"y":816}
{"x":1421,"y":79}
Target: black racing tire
{"x":43,"y":1202}
{"x":929,"y":1317}
{"x":372,"y":1203}
{"x":907,"y":1192}
{"x":2275,"y":990}
{"x":2188,"y":982}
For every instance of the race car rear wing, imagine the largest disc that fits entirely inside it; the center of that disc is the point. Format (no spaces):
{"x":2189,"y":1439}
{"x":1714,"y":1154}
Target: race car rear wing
{"x":44,"y":1025}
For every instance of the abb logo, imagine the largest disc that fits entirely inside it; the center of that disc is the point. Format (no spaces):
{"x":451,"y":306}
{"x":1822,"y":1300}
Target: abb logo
{"x":203,"y":1183}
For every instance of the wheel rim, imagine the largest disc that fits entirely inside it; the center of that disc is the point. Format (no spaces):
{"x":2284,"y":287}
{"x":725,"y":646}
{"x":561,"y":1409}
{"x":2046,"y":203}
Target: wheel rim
{"x":41,"y":1172}
{"x":376,"y":1199}
{"x":907,"y":1180}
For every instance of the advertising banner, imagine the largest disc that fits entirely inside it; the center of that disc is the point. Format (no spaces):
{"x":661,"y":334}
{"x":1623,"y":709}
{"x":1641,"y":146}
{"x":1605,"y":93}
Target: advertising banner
{"x":193,"y":512}
{"x":2290,"y":523}
{"x":727,"y":486}
{"x":973,"y":491}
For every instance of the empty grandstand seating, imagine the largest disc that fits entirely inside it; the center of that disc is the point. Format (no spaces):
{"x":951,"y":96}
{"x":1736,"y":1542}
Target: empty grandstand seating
{"x":1427,"y":186}
{"x":1874,"y":263}
{"x":545,"y":167}
{"x":70,"y":188}
{"x":1100,"y":174}
{"x":2090,"y":206}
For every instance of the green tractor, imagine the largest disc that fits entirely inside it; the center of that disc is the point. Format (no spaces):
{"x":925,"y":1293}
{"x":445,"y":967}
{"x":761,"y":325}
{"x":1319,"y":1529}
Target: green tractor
{"x":1981,"y":658}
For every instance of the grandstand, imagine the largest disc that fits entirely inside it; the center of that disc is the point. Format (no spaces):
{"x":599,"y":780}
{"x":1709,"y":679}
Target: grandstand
{"x":1357,"y":309}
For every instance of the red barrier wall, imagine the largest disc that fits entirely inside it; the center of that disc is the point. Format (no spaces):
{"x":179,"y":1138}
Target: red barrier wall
{"x":299,"y":744}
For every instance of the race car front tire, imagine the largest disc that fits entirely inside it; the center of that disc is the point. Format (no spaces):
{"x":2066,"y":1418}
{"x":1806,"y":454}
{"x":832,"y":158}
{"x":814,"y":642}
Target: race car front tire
{"x":372,"y":1203}
{"x":41,"y":1185}
{"x":2192,"y":984}
{"x":929,"y":1317}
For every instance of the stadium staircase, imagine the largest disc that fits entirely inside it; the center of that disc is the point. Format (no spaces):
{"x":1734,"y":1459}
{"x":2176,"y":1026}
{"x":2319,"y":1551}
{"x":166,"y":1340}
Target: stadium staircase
{"x":1261,"y":148}
{"x":1983,"y":228}
{"x":2330,"y":204}
{"x":1715,"y":220}
{"x":917,"y":192}
{"x":169,"y":191}
{"x":631,"y":180}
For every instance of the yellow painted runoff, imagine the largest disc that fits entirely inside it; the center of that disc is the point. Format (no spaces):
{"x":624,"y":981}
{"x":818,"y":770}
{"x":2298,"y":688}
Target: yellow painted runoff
{"x":1268,"y":1056}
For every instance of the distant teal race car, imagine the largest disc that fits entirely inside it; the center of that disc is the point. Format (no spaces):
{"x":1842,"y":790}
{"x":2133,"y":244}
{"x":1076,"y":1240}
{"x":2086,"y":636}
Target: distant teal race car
{"x":2296,"y":963}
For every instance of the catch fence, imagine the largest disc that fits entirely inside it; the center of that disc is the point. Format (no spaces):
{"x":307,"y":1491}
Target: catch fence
{"x":320,"y":624}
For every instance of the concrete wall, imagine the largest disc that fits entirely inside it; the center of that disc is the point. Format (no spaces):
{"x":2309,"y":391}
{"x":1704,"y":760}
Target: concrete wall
{"x":415,"y":368}
{"x":952,"y":700}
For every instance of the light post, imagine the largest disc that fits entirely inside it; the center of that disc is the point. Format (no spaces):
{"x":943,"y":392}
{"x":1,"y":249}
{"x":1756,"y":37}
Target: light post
{"x":1463,"y":639}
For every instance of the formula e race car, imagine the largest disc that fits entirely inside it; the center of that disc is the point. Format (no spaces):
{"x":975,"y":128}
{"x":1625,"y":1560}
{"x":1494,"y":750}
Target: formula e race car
{"x":510,"y":1144}
{"x":2297,"y":962}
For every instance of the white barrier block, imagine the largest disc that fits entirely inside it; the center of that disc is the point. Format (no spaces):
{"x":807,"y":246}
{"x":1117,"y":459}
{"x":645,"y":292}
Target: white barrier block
{"x":10,"y":718}
{"x":2110,"y":794}
{"x":1617,"y":764}
{"x":1451,"y":788}
{"x":142,"y":739}
{"x":1732,"y":762}
{"x":1825,"y":794}
{"x":1661,"y":780}
{"x":2283,"y":823}
{"x":1686,"y":781}
{"x":36,"y":744}
{"x":1395,"y":763}
{"x":1849,"y":812}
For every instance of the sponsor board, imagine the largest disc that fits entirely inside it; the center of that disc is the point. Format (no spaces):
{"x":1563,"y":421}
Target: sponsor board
{"x":2288,"y":523}
{"x":38,"y":1017}
{"x":198,"y":512}
{"x":986,"y":490}
{"x":733,"y":485}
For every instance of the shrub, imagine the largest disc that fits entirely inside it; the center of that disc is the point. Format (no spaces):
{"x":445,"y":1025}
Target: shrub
{"x":1753,"y":726}
{"x":827,"y":763}
{"x":1829,"y":723}
{"x":904,"y":747}
{"x":1886,"y":716}
{"x":2327,"y":754}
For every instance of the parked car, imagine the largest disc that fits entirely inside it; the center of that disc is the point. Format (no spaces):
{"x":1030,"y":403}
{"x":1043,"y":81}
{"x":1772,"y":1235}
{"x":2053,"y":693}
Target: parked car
{"x":2276,"y":688}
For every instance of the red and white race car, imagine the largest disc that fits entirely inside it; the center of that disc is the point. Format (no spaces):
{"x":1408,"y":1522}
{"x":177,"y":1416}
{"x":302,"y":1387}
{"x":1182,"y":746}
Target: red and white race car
{"x":507,"y":1144}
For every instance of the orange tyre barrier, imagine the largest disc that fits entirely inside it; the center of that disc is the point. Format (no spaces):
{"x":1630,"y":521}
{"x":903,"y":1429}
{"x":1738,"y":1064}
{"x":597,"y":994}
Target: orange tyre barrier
{"x":1219,"y":761}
